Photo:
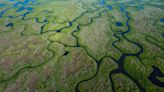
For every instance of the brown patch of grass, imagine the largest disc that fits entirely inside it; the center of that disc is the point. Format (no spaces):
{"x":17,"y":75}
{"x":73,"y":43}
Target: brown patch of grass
{"x":13,"y":88}
{"x":48,"y":72}
{"x":79,"y":62}
{"x":32,"y":82}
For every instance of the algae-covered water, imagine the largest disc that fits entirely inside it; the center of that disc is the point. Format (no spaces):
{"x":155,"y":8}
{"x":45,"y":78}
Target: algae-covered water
{"x":81,"y":46}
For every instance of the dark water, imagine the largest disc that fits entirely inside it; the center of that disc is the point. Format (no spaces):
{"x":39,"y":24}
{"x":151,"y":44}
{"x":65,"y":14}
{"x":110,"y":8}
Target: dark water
{"x":109,"y":7}
{"x":162,"y":20}
{"x":153,"y":76}
{"x":9,"y":24}
{"x":119,"y":24}
{"x":102,"y":2}
{"x":20,"y":9}
{"x":1,"y":5}
{"x":162,"y":34}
